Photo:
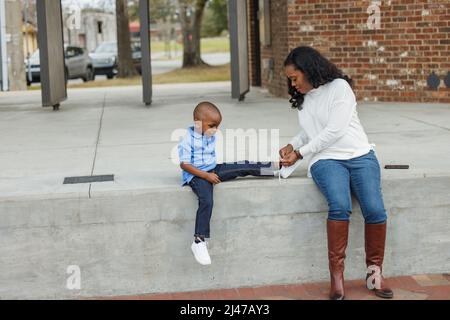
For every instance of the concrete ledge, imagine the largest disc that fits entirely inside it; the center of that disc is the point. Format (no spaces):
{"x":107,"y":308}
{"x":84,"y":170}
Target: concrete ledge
{"x":264,"y":232}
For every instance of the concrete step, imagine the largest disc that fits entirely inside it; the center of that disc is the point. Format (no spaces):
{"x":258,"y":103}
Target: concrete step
{"x":264,"y":232}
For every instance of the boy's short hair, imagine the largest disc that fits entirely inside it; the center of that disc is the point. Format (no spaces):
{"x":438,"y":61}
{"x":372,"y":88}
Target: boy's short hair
{"x":205,"y":106}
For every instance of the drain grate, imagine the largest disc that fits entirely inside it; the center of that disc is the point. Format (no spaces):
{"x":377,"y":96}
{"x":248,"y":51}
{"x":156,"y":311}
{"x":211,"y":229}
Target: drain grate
{"x":89,"y":179}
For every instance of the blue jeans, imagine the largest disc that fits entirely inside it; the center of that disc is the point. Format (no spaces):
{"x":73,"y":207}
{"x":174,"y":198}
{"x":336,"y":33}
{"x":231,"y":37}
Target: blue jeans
{"x":337,"y":179}
{"x":204,"y":189}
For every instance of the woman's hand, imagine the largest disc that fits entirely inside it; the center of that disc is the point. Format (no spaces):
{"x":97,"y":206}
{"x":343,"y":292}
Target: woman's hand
{"x":212,"y":178}
{"x":290,"y":159}
{"x":286,"y":150}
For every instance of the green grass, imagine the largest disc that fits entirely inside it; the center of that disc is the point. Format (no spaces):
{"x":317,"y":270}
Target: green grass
{"x":196,"y":74}
{"x":213,"y":45}
{"x":207,"y":45}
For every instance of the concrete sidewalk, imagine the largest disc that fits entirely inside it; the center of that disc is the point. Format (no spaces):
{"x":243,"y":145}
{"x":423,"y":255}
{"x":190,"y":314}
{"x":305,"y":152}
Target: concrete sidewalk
{"x":132,"y":235}
{"x":109,"y":131}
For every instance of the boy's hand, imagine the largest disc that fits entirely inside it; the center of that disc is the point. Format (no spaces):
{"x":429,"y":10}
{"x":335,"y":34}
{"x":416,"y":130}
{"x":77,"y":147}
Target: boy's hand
{"x":208,"y":176}
{"x":286,"y":150}
{"x":212,"y":178}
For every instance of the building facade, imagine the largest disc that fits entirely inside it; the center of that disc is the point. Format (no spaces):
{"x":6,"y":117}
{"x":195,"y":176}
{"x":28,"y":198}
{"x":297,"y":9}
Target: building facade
{"x":95,"y":26}
{"x":393,"y":50}
{"x":29,"y":35}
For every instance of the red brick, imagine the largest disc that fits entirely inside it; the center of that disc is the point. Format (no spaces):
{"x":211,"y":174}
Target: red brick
{"x":404,"y":282}
{"x":404,"y":287}
{"x":181,"y":296}
{"x":229,"y":294}
{"x":246,"y":293}
{"x":318,"y":290}
{"x":438,"y":292}
{"x":156,"y":297}
{"x":263,"y":292}
{"x":280,"y":290}
{"x":298,"y":292}
{"x":402,"y":23}
{"x":213,"y":295}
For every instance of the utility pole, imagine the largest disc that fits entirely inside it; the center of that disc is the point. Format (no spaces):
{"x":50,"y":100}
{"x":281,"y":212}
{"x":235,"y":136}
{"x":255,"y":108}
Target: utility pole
{"x":26,"y":41}
{"x":14,"y":46}
{"x":3,"y":57}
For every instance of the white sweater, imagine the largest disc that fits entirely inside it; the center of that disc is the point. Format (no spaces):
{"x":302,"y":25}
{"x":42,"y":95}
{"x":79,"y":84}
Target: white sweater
{"x":329,"y":125}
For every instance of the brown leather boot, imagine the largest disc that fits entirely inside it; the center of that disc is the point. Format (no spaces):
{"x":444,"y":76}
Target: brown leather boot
{"x":375,"y":238}
{"x":337,"y":233}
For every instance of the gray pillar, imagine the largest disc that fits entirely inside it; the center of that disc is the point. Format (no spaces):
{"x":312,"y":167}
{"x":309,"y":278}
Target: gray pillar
{"x":146,"y":65}
{"x":3,"y":56}
{"x":14,"y":47}
{"x":240,"y":81}
{"x":51,"y":53}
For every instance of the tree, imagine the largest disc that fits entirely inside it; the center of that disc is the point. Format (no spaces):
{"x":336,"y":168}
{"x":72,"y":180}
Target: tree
{"x":126,"y":67}
{"x":215,"y":19}
{"x":159,"y":9}
{"x":163,"y":13}
{"x":191,"y":14}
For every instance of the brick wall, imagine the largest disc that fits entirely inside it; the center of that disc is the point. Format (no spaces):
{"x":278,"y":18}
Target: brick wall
{"x":272,"y":72}
{"x":391,"y":63}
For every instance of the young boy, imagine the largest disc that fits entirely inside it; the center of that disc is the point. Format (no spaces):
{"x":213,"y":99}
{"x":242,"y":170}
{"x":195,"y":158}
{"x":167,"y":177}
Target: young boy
{"x":200,"y":171}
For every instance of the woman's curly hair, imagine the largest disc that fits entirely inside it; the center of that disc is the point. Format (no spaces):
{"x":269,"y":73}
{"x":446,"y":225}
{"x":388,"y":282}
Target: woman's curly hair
{"x":318,"y":70}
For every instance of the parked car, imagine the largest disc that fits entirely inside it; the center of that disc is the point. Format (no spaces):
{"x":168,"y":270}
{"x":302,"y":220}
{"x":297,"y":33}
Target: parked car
{"x":105,"y":59}
{"x":136,"y":55}
{"x":77,"y":63}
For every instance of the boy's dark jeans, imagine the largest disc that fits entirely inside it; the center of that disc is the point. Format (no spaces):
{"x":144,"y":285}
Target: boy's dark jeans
{"x":204,"y":189}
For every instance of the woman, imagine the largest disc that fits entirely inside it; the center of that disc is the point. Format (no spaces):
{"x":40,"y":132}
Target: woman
{"x":342,"y":161}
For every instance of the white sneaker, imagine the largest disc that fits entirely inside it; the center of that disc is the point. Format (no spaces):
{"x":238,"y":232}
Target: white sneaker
{"x":287,"y":171}
{"x":200,"y":252}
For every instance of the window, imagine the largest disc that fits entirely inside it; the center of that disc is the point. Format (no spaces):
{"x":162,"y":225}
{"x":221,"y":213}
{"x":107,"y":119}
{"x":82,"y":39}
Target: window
{"x":70,"y":52}
{"x":73,"y":52}
{"x":78,"y":51}
{"x":264,"y":22}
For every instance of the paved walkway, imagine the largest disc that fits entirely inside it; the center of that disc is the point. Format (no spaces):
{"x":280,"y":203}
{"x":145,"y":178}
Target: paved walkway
{"x":110,"y":131}
{"x":417,"y":287}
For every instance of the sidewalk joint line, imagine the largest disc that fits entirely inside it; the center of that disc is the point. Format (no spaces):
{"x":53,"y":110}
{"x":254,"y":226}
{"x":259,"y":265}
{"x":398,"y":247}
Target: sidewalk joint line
{"x":424,"y":122}
{"x":98,"y":139}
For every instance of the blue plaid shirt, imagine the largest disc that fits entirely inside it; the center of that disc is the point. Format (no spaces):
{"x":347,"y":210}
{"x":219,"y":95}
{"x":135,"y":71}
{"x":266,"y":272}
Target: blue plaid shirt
{"x":198,"y":150}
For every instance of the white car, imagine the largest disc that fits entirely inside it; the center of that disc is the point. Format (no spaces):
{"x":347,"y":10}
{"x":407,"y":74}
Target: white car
{"x":78,"y":64}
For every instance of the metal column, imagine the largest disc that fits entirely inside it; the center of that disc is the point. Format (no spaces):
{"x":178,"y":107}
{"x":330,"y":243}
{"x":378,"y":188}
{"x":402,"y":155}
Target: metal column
{"x":146,"y":64}
{"x":240,"y":81}
{"x":3,"y":56}
{"x":51,"y":53}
